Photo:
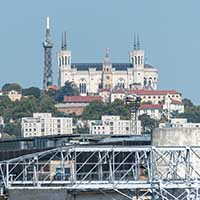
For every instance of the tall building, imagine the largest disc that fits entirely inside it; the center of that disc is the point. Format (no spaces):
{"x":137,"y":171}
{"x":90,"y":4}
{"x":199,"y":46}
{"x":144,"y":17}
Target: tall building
{"x":48,"y":45}
{"x":43,"y":124}
{"x":90,"y":77}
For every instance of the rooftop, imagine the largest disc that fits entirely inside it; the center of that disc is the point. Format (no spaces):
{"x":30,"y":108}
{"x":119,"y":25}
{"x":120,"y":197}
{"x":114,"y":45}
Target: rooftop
{"x":81,"y":99}
{"x":99,"y":66}
{"x":146,"y":92}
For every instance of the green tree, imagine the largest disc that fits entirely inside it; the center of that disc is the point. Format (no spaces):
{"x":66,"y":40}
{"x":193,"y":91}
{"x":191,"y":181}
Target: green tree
{"x":148,"y":123}
{"x":118,"y":107}
{"x":11,"y":86}
{"x":69,"y":89}
{"x":25,"y":108}
{"x":32,"y":91}
{"x":187,"y":103}
{"x":94,"y":110}
{"x":13,"y":129}
{"x":6,"y":108}
{"x":192,"y":114}
{"x":47,"y":104}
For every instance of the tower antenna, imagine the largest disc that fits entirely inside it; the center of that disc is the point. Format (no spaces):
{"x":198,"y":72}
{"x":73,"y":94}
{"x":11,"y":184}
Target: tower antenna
{"x":47,"y":45}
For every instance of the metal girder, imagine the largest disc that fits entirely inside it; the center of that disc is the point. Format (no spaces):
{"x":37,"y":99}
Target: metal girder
{"x":154,"y":172}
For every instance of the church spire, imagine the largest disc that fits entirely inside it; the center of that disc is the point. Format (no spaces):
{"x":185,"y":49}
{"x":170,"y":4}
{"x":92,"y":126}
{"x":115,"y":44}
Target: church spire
{"x":64,"y":41}
{"x":135,"y":43}
{"x":138,"y":42}
{"x":107,"y":57}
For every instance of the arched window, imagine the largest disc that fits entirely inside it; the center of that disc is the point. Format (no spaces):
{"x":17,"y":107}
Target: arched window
{"x":149,"y":83}
{"x":145,"y":82}
{"x":136,"y":60}
{"x":120,"y":83}
{"x":65,"y":60}
{"x":139,"y":60}
{"x":132,"y":59}
{"x":62,"y":60}
{"x":83,"y":86}
{"x":69,"y":60}
{"x":59,"y":60}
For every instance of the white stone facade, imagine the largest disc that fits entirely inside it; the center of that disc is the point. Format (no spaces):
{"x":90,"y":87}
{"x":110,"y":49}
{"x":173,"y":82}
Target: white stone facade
{"x":14,"y":95}
{"x":179,"y":123}
{"x":167,"y":109}
{"x":153,"y":96}
{"x":111,"y":125}
{"x":90,"y":77}
{"x":43,"y":124}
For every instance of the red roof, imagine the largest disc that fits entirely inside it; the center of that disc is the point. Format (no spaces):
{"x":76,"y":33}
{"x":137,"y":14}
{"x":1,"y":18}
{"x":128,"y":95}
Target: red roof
{"x":81,"y":99}
{"x":147,"y":92}
{"x":174,"y":101}
{"x":150,"y":106}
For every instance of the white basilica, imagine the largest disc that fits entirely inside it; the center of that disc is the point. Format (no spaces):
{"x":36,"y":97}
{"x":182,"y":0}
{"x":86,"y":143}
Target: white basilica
{"x":90,"y":77}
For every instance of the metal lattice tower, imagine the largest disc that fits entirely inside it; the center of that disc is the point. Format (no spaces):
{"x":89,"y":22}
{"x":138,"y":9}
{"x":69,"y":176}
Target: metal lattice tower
{"x":48,"y":74}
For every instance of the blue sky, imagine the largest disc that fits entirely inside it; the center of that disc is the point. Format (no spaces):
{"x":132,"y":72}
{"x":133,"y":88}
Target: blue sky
{"x":169,"y":32}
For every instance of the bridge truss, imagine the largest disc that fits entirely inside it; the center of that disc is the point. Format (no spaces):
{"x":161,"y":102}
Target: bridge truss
{"x":146,"y":172}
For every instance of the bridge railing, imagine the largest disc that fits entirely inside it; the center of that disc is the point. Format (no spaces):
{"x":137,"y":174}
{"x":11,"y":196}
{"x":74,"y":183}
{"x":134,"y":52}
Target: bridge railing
{"x":104,"y":167}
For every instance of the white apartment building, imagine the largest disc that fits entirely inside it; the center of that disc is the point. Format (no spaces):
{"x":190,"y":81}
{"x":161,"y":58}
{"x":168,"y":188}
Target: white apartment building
{"x":112,"y":125}
{"x":156,"y":111}
{"x":179,"y":123}
{"x":42,"y":124}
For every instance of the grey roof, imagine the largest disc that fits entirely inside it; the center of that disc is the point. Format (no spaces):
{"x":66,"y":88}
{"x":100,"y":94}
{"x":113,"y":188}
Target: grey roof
{"x":98,"y":66}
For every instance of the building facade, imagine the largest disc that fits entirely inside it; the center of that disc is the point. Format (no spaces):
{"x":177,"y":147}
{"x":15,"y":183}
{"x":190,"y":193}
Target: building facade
{"x":43,"y":124}
{"x":179,"y":123}
{"x":147,"y":96}
{"x":166,"y":109}
{"x":112,"y":125}
{"x":90,"y":77}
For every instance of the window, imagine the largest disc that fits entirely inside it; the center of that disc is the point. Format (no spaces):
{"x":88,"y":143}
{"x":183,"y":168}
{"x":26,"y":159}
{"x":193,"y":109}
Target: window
{"x":82,"y":87}
{"x":69,"y":60}
{"x":65,"y":60}
{"x":59,"y":61}
{"x":136,"y":60}
{"x":139,"y":60}
{"x":62,"y":60}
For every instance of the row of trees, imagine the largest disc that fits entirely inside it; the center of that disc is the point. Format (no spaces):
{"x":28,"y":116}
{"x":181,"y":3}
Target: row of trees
{"x":33,"y":100}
